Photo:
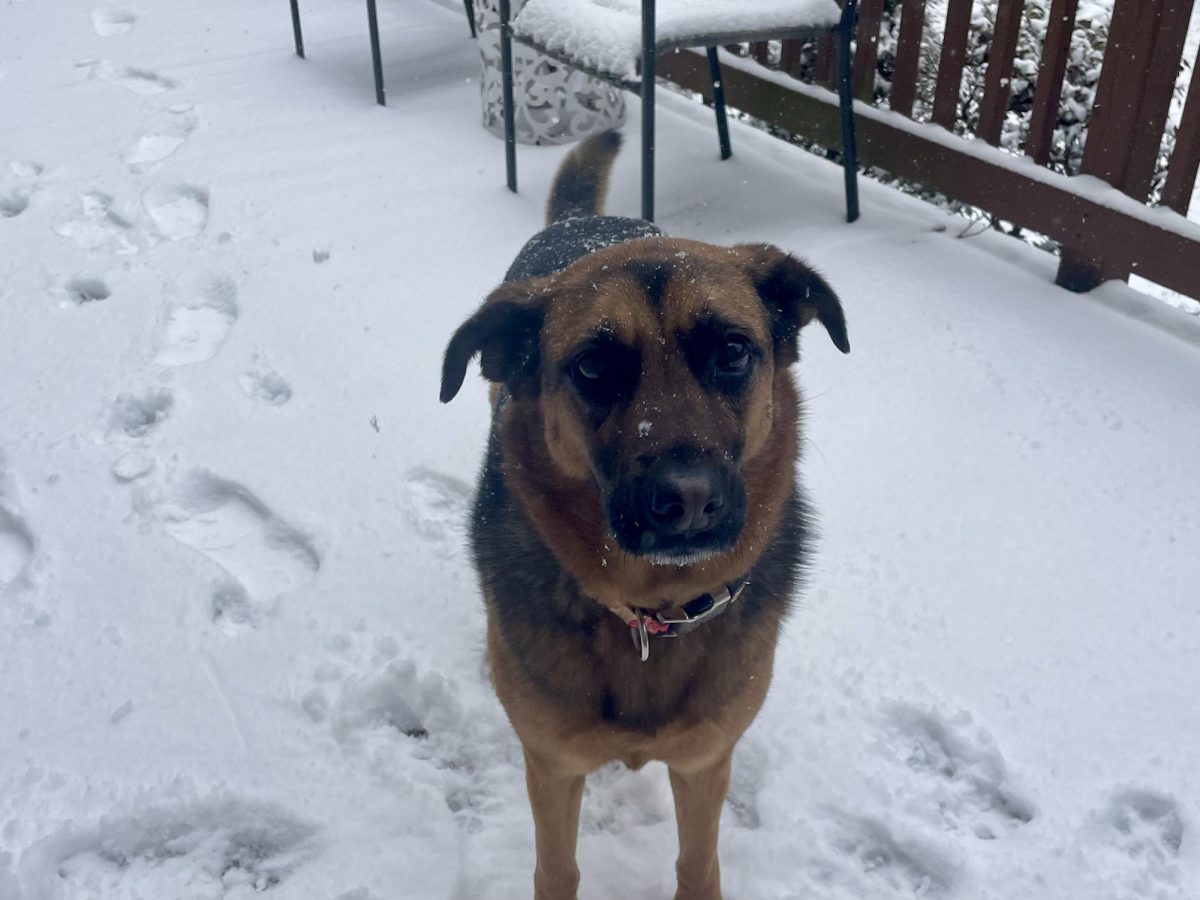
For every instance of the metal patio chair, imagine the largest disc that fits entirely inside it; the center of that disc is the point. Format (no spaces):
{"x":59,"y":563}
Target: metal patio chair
{"x":611,"y":41}
{"x":373,"y":28}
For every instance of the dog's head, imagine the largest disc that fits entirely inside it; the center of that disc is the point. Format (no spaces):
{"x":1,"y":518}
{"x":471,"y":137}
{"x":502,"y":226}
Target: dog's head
{"x":654,"y":367}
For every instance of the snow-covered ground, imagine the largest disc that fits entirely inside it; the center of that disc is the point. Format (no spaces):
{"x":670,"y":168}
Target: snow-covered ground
{"x":240,"y":642}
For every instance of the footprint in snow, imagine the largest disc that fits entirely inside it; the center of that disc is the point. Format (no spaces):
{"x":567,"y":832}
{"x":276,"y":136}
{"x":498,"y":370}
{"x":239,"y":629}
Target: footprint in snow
{"x":26,"y":168}
{"x":232,"y":609}
{"x":16,"y":547}
{"x":17,"y":542}
{"x":150,"y":148}
{"x":178,"y":211}
{"x":13,"y":202}
{"x":221,"y":849}
{"x":85,"y":290}
{"x":873,"y":857}
{"x":135,"y":415}
{"x":959,"y":780}
{"x":1145,"y":825}
{"x":193,"y":327}
{"x":264,"y":384}
{"x":133,"y":465}
{"x":396,"y":700}
{"x":1139,"y":839}
{"x":99,"y":225}
{"x":112,"y":20}
{"x":393,"y":708}
{"x":163,"y":137}
{"x":223,"y":520}
{"x":140,"y":81}
{"x":436,"y":506}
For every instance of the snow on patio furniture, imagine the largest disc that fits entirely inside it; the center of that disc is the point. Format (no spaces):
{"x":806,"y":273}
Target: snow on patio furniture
{"x":554,"y":103}
{"x":619,"y":42}
{"x":373,"y":28}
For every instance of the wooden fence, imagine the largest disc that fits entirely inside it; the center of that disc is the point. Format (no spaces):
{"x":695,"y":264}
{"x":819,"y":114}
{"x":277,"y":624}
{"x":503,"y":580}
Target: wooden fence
{"x":1105,"y":228}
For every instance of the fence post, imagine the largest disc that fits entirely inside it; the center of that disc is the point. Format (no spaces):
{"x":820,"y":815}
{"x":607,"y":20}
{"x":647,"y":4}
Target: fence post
{"x":950,"y":67}
{"x":1163,"y":70}
{"x":998,"y":80}
{"x":1144,"y":44}
{"x":908,"y":57}
{"x":870,"y":15}
{"x":1181,"y":173}
{"x":1051,"y":72}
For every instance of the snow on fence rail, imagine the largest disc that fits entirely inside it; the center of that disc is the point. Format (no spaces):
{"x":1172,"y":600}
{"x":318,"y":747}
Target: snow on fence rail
{"x":1105,"y":227}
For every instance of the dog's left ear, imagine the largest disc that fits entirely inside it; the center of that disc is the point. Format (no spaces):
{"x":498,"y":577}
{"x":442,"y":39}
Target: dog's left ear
{"x":794,"y":295}
{"x":506,"y":333}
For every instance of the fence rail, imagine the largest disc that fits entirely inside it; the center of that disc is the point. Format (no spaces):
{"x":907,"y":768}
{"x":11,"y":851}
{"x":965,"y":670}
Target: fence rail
{"x":1105,"y":230}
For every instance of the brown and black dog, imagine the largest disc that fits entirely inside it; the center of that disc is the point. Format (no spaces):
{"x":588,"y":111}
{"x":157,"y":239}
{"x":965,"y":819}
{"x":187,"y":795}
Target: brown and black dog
{"x":640,"y":480}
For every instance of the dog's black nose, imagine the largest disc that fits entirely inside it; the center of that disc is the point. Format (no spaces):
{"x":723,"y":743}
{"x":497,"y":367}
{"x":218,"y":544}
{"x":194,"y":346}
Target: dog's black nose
{"x":685,"y":498}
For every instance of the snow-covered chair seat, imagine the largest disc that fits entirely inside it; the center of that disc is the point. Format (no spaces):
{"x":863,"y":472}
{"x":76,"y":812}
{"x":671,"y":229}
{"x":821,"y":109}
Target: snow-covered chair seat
{"x":620,"y":41}
{"x":605,"y":36}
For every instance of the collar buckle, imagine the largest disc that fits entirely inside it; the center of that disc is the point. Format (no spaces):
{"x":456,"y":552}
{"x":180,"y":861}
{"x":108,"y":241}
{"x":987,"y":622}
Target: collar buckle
{"x":695,"y":613}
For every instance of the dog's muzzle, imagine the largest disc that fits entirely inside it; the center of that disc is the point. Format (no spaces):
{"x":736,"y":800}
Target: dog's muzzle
{"x":681,"y":508}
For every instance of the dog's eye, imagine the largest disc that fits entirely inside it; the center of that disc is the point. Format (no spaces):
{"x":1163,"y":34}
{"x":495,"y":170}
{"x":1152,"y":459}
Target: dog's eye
{"x":733,"y":358}
{"x":603,"y":373}
{"x":590,"y":367}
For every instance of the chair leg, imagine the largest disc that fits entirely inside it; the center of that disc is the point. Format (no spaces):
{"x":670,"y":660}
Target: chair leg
{"x":649,"y":65}
{"x":846,"y":102}
{"x":506,"y":81}
{"x":714,"y":73}
{"x":469,"y":4}
{"x":296,"y":33}
{"x":376,"y":61}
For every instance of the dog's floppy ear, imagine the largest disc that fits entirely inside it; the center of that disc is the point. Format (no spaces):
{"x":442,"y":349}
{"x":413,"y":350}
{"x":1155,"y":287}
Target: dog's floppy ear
{"x":505,"y":332}
{"x":794,"y":295}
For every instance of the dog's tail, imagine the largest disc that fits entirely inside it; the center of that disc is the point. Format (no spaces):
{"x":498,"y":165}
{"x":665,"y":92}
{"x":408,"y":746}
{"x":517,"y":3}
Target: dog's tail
{"x":582,"y":181}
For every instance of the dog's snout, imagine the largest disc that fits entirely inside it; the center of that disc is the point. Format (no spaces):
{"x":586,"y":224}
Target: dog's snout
{"x":683,"y":499}
{"x":687,"y":504}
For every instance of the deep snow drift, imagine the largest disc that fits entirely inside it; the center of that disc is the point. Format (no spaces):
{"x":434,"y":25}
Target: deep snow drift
{"x":240,"y":643}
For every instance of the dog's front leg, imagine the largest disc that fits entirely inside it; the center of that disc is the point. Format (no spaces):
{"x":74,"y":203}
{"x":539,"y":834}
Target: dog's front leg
{"x":555,"y":796}
{"x":699,"y":795}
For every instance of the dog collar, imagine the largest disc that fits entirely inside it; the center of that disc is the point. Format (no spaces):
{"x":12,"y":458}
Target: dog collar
{"x":644,"y":624}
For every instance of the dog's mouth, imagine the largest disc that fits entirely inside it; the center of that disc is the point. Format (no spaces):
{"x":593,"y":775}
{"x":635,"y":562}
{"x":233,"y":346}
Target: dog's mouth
{"x":683,"y":550}
{"x":677,"y":558}
{"x":675,"y":550}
